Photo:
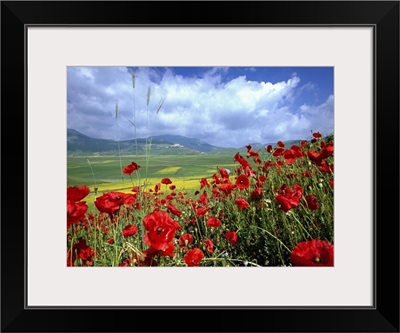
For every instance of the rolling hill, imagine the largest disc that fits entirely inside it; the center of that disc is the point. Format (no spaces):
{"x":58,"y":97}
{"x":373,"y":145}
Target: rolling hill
{"x":80,"y":144}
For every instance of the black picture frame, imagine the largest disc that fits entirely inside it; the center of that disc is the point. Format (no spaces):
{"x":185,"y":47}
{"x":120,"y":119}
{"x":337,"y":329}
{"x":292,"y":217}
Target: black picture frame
{"x":383,"y":316}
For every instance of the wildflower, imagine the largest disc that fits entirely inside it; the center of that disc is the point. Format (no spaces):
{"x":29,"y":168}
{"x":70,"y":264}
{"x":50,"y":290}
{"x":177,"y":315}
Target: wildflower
{"x":166,"y":181}
{"x":185,"y":239}
{"x":161,"y":229}
{"x":213,"y":222}
{"x":210,"y":245}
{"x":242,"y":182}
{"x":241,"y":203}
{"x":232,"y":237}
{"x":75,"y":193}
{"x":130,"y":230}
{"x":128,"y":169}
{"x":312,"y":202}
{"x":193,"y":257}
{"x":289,"y":198}
{"x":312,"y":253}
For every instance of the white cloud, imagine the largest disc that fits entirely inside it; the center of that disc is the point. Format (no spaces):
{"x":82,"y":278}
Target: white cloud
{"x":228,"y":114}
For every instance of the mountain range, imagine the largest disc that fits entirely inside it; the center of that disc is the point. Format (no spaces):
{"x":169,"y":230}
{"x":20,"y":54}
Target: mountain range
{"x":80,"y":144}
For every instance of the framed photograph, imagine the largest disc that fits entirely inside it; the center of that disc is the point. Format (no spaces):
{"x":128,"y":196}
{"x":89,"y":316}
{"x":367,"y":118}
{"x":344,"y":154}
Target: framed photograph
{"x":206,"y":159}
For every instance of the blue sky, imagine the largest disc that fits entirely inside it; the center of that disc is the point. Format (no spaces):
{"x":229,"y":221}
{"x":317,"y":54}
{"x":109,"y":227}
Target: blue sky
{"x":224,"y":106}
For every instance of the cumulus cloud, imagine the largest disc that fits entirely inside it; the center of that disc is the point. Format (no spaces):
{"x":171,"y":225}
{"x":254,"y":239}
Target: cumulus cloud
{"x":207,"y":106}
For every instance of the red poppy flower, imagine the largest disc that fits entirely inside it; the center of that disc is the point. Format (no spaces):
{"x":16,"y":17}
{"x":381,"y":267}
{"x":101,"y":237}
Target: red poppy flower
{"x":289,"y":156}
{"x":216,"y":193}
{"x":75,"y":193}
{"x":286,"y":204}
{"x":312,"y":253}
{"x":317,"y":135}
{"x":289,"y":198}
{"x":203,"y":199}
{"x":242,"y":182}
{"x":110,"y":240}
{"x":226,"y":188}
{"x":280,"y":144}
{"x":241,"y":203}
{"x":172,"y":187}
{"x":130,"y":230}
{"x":173,"y":210}
{"x":238,"y":158}
{"x":128,"y":169}
{"x":166,"y":181}
{"x":193,"y":257}
{"x":213,"y":222}
{"x":331,"y":183}
{"x":318,"y":158}
{"x":278,"y":152}
{"x":232,"y":237}
{"x":252,"y":153}
{"x":256,"y":194}
{"x":257,"y":160}
{"x":210,"y":245}
{"x":136,"y":189}
{"x":312,"y":202}
{"x":111,"y":202}
{"x":268,"y":148}
{"x":303,"y":143}
{"x":204,"y":183}
{"x":200,"y":211}
{"x":296,"y":150}
{"x":75,"y":212}
{"x":161,"y":229}
{"x":84,"y":252}
{"x":151,"y":252}
{"x":312,"y":155}
{"x":224,"y":173}
{"x":185,"y":239}
{"x":327,"y":151}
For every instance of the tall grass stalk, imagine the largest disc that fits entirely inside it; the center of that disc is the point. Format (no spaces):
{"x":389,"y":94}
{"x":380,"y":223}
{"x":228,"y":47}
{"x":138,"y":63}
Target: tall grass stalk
{"x":91,"y":169}
{"x":119,"y":150}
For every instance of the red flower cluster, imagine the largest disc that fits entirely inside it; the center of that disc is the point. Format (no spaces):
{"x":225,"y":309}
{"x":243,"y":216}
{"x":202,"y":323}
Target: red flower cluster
{"x":111,"y":202}
{"x":210,"y":214}
{"x":319,"y":158}
{"x":82,"y":251}
{"x":289,"y":198}
{"x":76,"y":209}
{"x":312,"y":253}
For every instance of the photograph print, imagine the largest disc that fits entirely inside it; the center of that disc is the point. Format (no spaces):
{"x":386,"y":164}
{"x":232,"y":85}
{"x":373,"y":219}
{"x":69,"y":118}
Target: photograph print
{"x":200,"y":166}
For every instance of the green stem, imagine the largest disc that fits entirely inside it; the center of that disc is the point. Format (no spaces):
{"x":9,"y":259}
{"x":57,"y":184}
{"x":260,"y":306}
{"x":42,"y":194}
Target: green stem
{"x":273,"y":236}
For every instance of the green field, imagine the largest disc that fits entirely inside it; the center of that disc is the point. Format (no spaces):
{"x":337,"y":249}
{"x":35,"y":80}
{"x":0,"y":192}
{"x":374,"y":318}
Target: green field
{"x":104,"y":172}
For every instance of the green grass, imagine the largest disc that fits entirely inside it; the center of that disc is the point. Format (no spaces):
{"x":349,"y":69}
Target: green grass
{"x":106,"y":169}
{"x":184,"y":171}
